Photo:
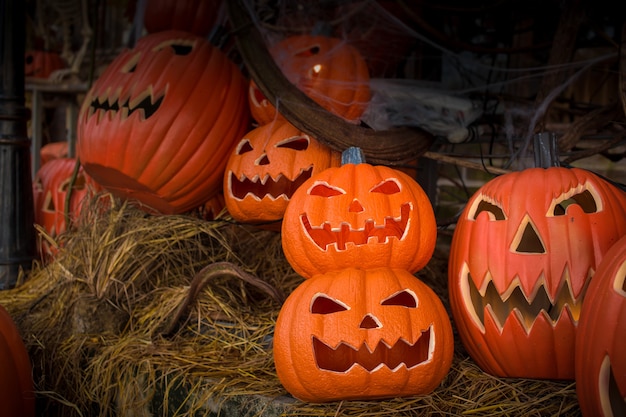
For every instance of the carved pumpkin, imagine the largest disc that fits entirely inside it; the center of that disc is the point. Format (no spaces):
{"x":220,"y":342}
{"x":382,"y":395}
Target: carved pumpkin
{"x":358,"y":215}
{"x":159,"y":123}
{"x":362,"y":334}
{"x":267,"y":166}
{"x":50,"y":188}
{"x":261,"y":110}
{"x":522,"y":255}
{"x":40,"y":64}
{"x":328,"y":70}
{"x":600,"y":339}
{"x":17,"y":397}
{"x":194,"y":16}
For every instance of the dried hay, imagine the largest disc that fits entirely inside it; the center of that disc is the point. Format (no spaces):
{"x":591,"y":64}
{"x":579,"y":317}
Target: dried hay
{"x":143,"y":315}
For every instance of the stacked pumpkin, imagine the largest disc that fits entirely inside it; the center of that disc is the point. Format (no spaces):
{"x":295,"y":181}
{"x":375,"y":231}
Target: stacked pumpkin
{"x":524,"y":254}
{"x":273,"y":160}
{"x":361,"y":325}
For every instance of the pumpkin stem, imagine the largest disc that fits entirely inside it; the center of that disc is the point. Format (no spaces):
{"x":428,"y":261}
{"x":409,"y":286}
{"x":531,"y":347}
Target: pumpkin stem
{"x":352,"y":155}
{"x":546,"y":151}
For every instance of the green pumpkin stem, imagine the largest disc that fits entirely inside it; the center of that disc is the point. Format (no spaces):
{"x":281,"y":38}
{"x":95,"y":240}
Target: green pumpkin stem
{"x":352,"y":155}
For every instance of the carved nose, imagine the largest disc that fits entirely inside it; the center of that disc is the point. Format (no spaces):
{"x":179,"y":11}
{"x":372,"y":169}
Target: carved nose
{"x":369,"y":322}
{"x":263,"y":160}
{"x":528,"y":241}
{"x":355,"y":206}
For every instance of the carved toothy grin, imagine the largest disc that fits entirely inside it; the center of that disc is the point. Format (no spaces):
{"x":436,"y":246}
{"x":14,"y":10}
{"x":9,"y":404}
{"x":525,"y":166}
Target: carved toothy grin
{"x":514,"y":301}
{"x":275,"y":188}
{"x":325,"y":235}
{"x":145,"y":103}
{"x":343,"y":357}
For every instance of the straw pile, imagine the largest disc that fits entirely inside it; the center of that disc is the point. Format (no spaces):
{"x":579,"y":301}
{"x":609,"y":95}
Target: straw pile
{"x":142,"y":315}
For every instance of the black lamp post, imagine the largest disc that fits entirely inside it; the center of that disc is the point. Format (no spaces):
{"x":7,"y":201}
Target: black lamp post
{"x":17,"y":233}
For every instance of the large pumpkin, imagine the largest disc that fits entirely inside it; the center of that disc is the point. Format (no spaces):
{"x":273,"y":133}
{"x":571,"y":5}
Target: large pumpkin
{"x":361,"y":215}
{"x":362,"y":334}
{"x":328,"y":70}
{"x":195,"y":16}
{"x":267,"y":166}
{"x":601,"y":337}
{"x":17,"y":396}
{"x":159,"y":123}
{"x":522,"y":254}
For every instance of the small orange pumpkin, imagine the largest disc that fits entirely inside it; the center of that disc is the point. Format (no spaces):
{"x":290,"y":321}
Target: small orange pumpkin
{"x":328,"y":70}
{"x":158,"y":125}
{"x":600,"y":360}
{"x":53,"y":150}
{"x":40,"y":64}
{"x":523,"y":252}
{"x":362,"y":334}
{"x":267,"y":166}
{"x":358,"y":215}
{"x":50,"y":188}
{"x":17,"y":396}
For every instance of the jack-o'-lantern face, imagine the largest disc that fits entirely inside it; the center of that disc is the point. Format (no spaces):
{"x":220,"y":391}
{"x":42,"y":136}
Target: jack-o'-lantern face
{"x":361,"y":334}
{"x":600,"y":359}
{"x":358,"y":215}
{"x":267,"y":166}
{"x":523,"y":252}
{"x":159,"y":123}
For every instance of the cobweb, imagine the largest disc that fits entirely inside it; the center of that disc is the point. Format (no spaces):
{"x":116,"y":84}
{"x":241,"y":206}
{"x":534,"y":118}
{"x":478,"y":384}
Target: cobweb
{"x":461,"y":71}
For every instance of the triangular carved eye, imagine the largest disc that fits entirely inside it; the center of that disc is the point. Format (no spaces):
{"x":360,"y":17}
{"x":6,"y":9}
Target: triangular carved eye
{"x":389,"y":186}
{"x":180,"y":47}
{"x":131,"y":64}
{"x":324,"y":190}
{"x":308,"y":52}
{"x":243,"y":147}
{"x":404,"y":298}
{"x":297,"y":143}
{"x":322,"y":304}
{"x":585,"y":199}
{"x":494,"y":211}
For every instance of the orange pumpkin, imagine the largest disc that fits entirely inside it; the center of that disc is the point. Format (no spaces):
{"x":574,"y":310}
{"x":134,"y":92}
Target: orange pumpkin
{"x":358,"y":215}
{"x":40,"y":64}
{"x":194,"y":16}
{"x":267,"y":166}
{"x":362,"y":334}
{"x":522,"y":255}
{"x":53,"y":150}
{"x":50,"y":188}
{"x":600,"y":360}
{"x":158,"y":125}
{"x":17,"y":396}
{"x":328,"y":70}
